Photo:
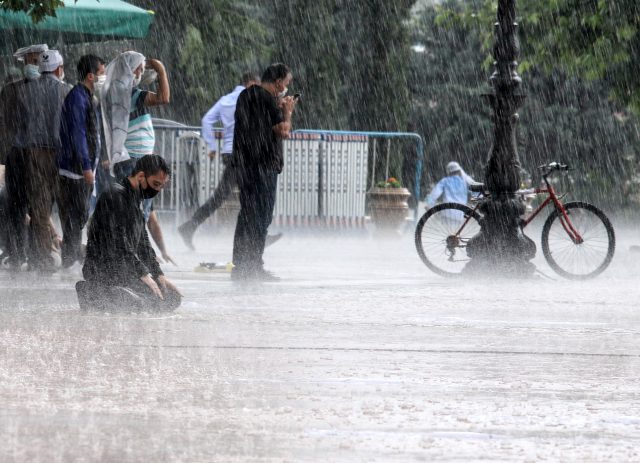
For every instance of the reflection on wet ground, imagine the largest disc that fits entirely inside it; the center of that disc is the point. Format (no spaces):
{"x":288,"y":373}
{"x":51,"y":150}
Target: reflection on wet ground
{"x":359,"y":353}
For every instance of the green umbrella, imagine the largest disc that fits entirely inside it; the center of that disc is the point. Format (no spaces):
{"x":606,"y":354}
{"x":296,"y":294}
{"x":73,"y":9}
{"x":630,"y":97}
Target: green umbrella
{"x":81,"y":21}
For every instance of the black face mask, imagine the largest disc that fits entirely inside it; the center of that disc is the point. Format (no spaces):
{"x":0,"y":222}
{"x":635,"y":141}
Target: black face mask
{"x":148,"y":192}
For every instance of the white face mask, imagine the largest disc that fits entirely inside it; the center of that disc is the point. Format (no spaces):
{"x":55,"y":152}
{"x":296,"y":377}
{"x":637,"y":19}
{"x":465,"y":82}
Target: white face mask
{"x":31,"y":71}
{"x":283,"y":93}
{"x":62,"y":76}
{"x":137,"y":80}
{"x":98,"y":84}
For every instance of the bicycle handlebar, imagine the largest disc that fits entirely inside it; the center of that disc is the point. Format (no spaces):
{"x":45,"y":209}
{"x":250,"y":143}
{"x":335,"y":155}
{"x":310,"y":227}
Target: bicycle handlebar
{"x":552,"y":167}
{"x":546,"y":169}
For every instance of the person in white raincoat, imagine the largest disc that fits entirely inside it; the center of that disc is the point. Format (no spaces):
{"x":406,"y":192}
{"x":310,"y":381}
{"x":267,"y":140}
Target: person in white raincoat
{"x":123,"y":74}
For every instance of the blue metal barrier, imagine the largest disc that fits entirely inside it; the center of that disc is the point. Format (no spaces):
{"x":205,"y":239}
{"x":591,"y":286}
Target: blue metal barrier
{"x":385,"y":135}
{"x":335,"y":159}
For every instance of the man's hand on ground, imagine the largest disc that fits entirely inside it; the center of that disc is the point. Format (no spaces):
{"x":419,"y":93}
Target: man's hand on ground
{"x":167,"y":284}
{"x":153,"y":286}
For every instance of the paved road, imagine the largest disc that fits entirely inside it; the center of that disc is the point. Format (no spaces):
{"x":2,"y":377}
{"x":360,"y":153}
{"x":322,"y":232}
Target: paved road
{"x":359,"y":354}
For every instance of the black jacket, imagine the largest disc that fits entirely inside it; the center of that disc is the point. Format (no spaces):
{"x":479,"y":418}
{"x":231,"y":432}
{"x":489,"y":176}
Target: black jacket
{"x":118,"y":249}
{"x":256,"y":148}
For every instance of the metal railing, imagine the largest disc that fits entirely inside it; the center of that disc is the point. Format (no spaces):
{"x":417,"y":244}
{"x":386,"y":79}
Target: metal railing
{"x":374,"y":138}
{"x":323,"y":183}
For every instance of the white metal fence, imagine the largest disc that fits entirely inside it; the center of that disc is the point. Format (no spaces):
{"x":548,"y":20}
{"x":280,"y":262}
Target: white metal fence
{"x":323,"y":183}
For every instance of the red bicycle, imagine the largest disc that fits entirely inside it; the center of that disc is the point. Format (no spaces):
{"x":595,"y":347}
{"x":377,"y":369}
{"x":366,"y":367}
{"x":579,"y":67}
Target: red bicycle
{"x":578,"y":240}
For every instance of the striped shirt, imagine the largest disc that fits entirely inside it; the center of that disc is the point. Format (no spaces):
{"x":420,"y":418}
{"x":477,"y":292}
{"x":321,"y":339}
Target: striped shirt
{"x":141,"y":138}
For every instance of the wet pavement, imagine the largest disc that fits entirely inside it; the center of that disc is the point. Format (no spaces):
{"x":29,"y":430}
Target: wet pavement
{"x":360,"y":353}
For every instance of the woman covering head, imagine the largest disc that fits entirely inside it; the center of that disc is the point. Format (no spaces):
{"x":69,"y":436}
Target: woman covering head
{"x":454,"y":168}
{"x":454,"y":188}
{"x":123,"y":74}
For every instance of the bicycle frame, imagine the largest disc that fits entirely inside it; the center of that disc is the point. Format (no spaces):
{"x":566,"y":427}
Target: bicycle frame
{"x":551,"y":198}
{"x":453,"y":240}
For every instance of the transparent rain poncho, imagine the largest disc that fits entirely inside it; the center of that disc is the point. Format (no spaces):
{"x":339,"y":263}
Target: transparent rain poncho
{"x":115,"y":100}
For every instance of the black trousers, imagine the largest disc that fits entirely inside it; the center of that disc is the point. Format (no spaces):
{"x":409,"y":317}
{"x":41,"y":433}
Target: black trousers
{"x":257,"y":201}
{"x":135,"y":296}
{"x":17,"y":206}
{"x":223,"y":190}
{"x":32,"y":184}
{"x":73,"y":204}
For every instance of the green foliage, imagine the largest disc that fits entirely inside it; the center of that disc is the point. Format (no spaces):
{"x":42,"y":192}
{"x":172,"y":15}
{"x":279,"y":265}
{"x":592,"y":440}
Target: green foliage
{"x":306,"y":37}
{"x":564,"y":117}
{"x":192,"y":63}
{"x":446,"y":84}
{"x":595,"y":39}
{"x":391,"y":182}
{"x":349,"y":58}
{"x":206,"y":45}
{"x":36,"y":9}
{"x":378,"y":41}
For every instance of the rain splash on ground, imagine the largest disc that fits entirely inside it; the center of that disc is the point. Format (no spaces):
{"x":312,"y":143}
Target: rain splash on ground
{"x":360,"y":353}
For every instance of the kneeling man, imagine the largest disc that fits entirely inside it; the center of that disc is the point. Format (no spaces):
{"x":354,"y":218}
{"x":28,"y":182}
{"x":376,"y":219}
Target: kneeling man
{"x":120,"y":268}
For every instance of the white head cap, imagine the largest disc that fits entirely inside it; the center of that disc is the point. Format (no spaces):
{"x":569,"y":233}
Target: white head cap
{"x":50,"y":60}
{"x":453,"y":167}
{"x":19,"y":54}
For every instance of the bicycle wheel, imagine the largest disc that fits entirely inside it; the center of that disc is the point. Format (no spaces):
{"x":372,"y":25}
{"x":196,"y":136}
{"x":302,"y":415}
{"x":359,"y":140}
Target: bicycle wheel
{"x":582,"y":260}
{"x":442,"y":235}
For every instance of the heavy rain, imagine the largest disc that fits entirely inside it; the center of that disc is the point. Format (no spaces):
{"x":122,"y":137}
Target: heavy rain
{"x":337,"y":230}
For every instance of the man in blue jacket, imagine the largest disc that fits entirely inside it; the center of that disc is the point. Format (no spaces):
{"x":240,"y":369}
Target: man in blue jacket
{"x":79,"y":154}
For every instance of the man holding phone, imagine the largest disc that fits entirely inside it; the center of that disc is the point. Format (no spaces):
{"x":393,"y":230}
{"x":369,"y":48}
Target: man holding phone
{"x":262,"y":121}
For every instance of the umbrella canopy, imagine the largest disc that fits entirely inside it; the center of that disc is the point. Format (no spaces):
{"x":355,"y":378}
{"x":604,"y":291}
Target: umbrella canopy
{"x":84,"y":20}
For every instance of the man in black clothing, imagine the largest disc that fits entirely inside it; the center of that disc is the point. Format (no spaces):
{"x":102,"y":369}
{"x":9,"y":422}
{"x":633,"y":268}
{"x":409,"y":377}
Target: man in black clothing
{"x":263,"y":119}
{"x":120,"y":268}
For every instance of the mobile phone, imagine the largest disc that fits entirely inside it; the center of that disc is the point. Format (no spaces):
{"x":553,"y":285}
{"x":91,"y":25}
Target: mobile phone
{"x":297,"y":95}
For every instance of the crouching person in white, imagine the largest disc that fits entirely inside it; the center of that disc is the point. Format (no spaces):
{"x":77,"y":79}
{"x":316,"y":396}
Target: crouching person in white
{"x":120,"y":268}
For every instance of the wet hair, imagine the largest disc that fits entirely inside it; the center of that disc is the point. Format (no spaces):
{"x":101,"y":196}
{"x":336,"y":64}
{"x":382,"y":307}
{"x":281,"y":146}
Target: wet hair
{"x":88,"y":64}
{"x":274,"y":72}
{"x":151,"y":164}
{"x":249,"y":77}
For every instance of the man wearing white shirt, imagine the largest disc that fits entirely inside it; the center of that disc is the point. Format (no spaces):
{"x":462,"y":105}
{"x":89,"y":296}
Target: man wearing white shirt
{"x":222,"y":112}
